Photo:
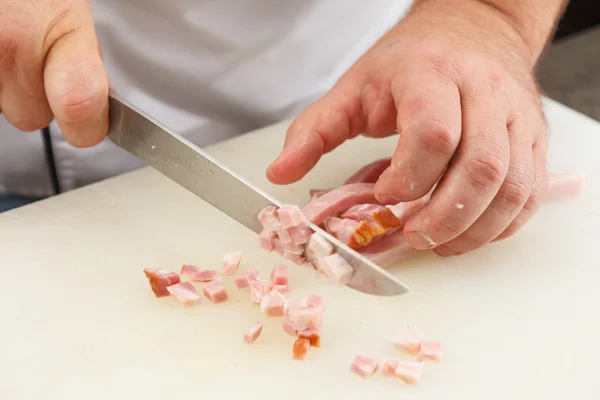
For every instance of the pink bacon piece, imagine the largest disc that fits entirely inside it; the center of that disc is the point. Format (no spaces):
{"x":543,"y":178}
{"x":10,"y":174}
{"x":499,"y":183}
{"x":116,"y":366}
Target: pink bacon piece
{"x":185,"y":292}
{"x":266,"y":240}
{"x":272,"y":304}
{"x":388,"y":367}
{"x":353,"y":233}
{"x":564,"y":186}
{"x":388,"y":249}
{"x":253,"y":332}
{"x":364,"y":366}
{"x":279,"y":274}
{"x":409,"y":371}
{"x":231,"y":263}
{"x":336,"y":269}
{"x":268,"y":217}
{"x":215,"y":291}
{"x":300,"y":348}
{"x":290,"y":216}
{"x":288,"y":328}
{"x":204,"y":276}
{"x":313,"y":336}
{"x":370,"y":173}
{"x":339,"y":200}
{"x":256,"y":292}
{"x":160,"y":279}
{"x":305,"y":314}
{"x":431,"y":350}
{"x":410,"y":341}
{"x":187,"y":269}
{"x":241,"y":281}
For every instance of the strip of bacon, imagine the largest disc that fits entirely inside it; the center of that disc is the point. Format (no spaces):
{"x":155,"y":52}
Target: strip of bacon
{"x":564,"y":186}
{"x":388,"y":249}
{"x":354,"y":234}
{"x":160,"y":279}
{"x":364,"y":366}
{"x":339,"y":200}
{"x":253,"y":332}
{"x":374,"y":214}
{"x":185,"y":292}
{"x":215,"y":291}
{"x":370,"y":173}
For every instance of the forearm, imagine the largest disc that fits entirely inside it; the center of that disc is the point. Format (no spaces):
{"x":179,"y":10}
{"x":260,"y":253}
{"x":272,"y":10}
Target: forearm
{"x":534,"y":21}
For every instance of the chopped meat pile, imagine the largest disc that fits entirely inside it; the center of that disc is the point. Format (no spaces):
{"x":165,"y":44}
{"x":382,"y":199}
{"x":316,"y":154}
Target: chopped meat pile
{"x":352,"y":214}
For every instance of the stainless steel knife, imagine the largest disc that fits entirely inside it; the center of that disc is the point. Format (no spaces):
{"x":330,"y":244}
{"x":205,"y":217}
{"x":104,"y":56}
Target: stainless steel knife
{"x":198,"y":172}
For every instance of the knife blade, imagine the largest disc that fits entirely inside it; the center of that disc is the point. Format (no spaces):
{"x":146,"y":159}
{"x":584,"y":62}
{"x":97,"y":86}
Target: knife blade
{"x":195,"y":170}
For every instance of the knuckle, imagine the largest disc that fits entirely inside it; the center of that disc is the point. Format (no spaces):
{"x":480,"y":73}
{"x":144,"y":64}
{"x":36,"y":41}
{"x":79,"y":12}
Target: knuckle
{"x":513,"y":194}
{"x":485,"y":171}
{"x":534,"y":201}
{"x":447,"y":228}
{"x":438,"y":137}
{"x":77,"y":105}
{"x":27,"y":123}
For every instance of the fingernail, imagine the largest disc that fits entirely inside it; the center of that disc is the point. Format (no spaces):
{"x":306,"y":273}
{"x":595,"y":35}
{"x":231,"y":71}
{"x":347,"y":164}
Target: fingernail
{"x":420,"y":241}
{"x":387,"y":199}
{"x":444,"y":251}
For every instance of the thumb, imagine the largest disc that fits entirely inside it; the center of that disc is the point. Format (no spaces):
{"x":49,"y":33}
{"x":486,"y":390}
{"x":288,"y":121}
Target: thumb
{"x":75,"y":79}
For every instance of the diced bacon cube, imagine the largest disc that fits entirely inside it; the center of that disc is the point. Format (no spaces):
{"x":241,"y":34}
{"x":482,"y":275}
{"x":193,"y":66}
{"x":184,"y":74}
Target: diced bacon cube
{"x":272,"y":304}
{"x":388,"y":367}
{"x":290,"y":216}
{"x":295,"y":258}
{"x":188,"y":269}
{"x":431,"y":350}
{"x":318,"y":247}
{"x":291,"y":248}
{"x":241,"y":281}
{"x":268,"y":217}
{"x":256,"y":292}
{"x":409,"y":371}
{"x":300,"y":348}
{"x":231,"y":262}
{"x":293,"y":304}
{"x":300,"y":234}
{"x":308,"y":316}
{"x":363,"y":366}
{"x":253,"y":275}
{"x":313,"y":300}
{"x":410,"y":341}
{"x":282,"y":288}
{"x":204,"y":276}
{"x":336,"y":269}
{"x":279,"y":274}
{"x":288,"y":328}
{"x":253,"y":332}
{"x":266,"y":240}
{"x":312,"y":335}
{"x":283,"y":235}
{"x":215,"y":291}
{"x":185,"y":292}
{"x":160,"y":279}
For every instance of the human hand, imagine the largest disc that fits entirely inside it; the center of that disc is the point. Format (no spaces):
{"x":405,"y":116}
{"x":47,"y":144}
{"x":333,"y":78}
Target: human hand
{"x":50,"y":66}
{"x":457,"y":82}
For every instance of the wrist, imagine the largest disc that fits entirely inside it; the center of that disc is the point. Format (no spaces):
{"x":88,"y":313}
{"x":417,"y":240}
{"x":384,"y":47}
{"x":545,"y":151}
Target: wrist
{"x":525,"y":24}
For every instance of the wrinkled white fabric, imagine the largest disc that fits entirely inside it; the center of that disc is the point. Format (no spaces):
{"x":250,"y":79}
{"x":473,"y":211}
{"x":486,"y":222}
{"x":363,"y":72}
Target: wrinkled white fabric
{"x":208,"y":69}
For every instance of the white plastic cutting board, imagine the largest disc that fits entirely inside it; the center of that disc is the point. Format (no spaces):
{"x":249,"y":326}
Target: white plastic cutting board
{"x":519,"y":319}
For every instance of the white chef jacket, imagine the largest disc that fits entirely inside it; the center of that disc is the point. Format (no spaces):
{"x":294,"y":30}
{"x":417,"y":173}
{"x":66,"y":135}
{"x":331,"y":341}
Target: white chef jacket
{"x":207,"y":69}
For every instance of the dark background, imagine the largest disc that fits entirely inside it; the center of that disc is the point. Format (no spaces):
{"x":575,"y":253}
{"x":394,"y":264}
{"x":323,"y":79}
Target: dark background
{"x":580,"y":15}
